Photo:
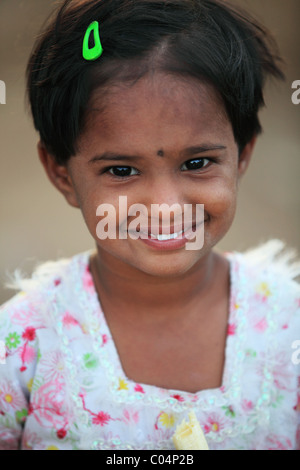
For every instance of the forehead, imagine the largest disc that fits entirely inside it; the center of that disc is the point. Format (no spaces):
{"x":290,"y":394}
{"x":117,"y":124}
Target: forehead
{"x":157,"y":110}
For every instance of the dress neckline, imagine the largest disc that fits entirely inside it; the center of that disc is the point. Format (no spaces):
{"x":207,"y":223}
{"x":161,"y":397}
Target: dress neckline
{"x":125,"y":389}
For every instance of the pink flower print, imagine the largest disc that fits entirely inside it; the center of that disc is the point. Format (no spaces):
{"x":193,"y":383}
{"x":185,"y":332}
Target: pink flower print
{"x":261,"y":325}
{"x":214,"y":423}
{"x":53,"y":367}
{"x":27,"y":354}
{"x":104,"y":339}
{"x":139,"y":388}
{"x":275,"y":442}
{"x":68,"y":320}
{"x":29,"y":334}
{"x":247,"y":405}
{"x":10,"y":398}
{"x":279,"y":368}
{"x":100,"y":418}
{"x":87,"y":280}
{"x":27,"y":316}
{"x":231,"y":331}
{"x":48,"y":406}
{"x":193,"y":398}
{"x":178,"y":397}
{"x":130,"y":417}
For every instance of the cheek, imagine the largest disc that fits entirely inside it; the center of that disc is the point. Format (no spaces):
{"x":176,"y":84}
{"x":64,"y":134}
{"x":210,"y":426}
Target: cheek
{"x":220,"y":198}
{"x":103,"y":214}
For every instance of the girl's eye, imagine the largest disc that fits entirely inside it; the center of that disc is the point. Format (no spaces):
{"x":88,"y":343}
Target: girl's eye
{"x":196,"y":164}
{"x":122,"y":171}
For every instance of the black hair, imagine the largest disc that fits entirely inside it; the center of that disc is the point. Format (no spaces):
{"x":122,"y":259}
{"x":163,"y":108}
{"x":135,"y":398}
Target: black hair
{"x":205,"y":39}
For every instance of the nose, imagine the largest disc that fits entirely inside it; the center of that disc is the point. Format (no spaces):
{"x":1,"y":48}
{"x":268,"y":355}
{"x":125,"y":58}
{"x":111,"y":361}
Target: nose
{"x":165,"y":198}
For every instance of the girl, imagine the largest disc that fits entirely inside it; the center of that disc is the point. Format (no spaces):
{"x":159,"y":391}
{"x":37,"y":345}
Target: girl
{"x":155,"y":102}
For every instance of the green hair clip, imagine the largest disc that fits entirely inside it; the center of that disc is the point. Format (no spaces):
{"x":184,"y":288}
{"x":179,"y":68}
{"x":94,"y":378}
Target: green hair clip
{"x":97,"y":50}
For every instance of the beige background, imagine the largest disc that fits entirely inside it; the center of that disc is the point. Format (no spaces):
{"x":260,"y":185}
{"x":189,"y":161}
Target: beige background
{"x":37,"y":224}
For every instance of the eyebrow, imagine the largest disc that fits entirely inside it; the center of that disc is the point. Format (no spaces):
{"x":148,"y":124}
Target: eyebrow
{"x":201,"y":149}
{"x":112,"y":156}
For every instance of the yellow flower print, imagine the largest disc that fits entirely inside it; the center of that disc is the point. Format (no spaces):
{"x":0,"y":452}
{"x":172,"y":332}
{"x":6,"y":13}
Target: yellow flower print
{"x":29,"y":384}
{"x":263,"y":288}
{"x":215,"y":427}
{"x":52,"y":448}
{"x":8,"y":398}
{"x":166,"y":420}
{"x":123,"y":385}
{"x":84,"y":328}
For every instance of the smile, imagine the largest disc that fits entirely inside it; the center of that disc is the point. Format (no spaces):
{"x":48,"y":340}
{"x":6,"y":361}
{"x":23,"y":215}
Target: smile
{"x":184,"y":229}
{"x":164,"y":237}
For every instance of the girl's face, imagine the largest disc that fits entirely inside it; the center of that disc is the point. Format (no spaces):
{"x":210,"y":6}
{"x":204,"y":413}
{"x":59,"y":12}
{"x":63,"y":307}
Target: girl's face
{"x":175,"y":146}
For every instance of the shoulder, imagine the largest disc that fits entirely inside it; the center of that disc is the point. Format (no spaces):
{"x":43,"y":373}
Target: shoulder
{"x":266,"y":283}
{"x":31,"y":318}
{"x":35,"y":294}
{"x":265,"y":291}
{"x":270,"y":265}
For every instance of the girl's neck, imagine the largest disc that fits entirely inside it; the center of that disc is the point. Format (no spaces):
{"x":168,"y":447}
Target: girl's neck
{"x":151,"y":299}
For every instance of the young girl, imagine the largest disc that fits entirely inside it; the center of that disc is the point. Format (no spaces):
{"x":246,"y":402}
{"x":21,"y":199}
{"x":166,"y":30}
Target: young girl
{"x":156,"y":102}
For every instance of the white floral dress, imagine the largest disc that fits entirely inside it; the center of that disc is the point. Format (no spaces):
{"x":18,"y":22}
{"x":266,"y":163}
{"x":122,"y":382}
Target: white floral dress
{"x":62,"y":385}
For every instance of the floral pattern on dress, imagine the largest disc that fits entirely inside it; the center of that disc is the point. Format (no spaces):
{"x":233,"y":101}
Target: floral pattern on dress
{"x":63,"y":387}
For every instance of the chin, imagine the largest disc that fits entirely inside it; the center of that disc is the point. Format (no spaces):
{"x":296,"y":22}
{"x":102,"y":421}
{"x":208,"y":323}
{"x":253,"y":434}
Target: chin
{"x":170,"y":267}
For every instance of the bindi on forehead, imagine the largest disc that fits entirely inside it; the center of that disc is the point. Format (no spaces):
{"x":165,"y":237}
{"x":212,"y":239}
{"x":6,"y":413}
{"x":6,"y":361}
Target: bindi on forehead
{"x":160,"y":153}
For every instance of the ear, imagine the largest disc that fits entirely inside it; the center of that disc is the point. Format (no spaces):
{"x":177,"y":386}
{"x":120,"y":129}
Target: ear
{"x":245,"y":156}
{"x":58,"y":175}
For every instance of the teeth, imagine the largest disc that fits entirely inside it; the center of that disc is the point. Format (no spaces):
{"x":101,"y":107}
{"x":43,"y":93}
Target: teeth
{"x":164,"y":237}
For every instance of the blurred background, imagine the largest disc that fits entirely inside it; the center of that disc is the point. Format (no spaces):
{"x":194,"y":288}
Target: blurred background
{"x":36,"y":222}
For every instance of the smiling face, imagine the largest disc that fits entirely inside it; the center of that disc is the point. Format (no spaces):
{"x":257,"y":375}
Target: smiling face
{"x":163,"y":140}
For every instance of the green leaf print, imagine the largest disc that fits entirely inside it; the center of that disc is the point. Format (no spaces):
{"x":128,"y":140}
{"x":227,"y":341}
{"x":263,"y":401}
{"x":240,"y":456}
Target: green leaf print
{"x":250,"y":353}
{"x":278,"y":401}
{"x":90,"y":361}
{"x":38,"y":357}
{"x":21,"y":415}
{"x":12,"y":340}
{"x":229,"y":411}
